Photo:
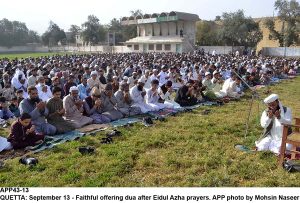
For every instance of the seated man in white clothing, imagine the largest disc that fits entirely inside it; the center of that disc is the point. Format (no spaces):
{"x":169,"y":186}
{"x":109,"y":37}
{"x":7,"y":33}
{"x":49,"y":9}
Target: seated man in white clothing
{"x":152,"y":97}
{"x":137,"y":93}
{"x":165,"y":92}
{"x":231,"y":88}
{"x":271,"y":120}
{"x":44,"y":90}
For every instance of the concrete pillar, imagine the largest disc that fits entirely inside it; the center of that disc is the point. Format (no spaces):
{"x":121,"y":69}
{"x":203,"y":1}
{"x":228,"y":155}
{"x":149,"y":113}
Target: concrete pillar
{"x":152,"y":29}
{"x":156,"y":29}
{"x":138,"y":30}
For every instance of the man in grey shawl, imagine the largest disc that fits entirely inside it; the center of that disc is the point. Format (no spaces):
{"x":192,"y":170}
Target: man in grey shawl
{"x":109,"y":103}
{"x":74,"y":109}
{"x":124,"y":101}
{"x":93,"y":107}
{"x":38,"y":111}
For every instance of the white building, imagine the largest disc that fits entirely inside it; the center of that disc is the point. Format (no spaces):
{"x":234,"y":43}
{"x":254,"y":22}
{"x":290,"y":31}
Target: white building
{"x":164,"y":32}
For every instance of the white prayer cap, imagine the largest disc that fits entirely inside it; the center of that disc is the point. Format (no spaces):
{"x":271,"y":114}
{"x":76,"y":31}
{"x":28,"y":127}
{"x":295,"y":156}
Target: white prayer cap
{"x":154,"y":70}
{"x":115,"y":77}
{"x":147,"y":71}
{"x":125,"y":78}
{"x":94,"y":73}
{"x":207,"y":73}
{"x":142,"y":80}
{"x":85,"y":65}
{"x":215,"y":72}
{"x":73,"y":88}
{"x":40,"y":77}
{"x":271,"y":98}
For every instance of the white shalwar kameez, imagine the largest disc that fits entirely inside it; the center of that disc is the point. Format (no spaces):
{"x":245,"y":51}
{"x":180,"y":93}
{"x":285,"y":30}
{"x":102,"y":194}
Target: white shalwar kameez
{"x":138,"y":100}
{"x":273,"y":141}
{"x":152,"y":100}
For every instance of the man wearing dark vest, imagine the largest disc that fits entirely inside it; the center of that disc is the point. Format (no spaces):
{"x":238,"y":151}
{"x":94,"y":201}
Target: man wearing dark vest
{"x":271,"y":120}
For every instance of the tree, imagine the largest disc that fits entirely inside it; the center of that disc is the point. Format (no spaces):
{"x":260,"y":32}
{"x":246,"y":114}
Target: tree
{"x":218,"y":18}
{"x":289,"y":14}
{"x":93,"y":32}
{"x":130,"y":31}
{"x":207,"y":34}
{"x":15,"y":33}
{"x":136,"y":13}
{"x":116,"y":27}
{"x":74,"y":29}
{"x":33,"y":37}
{"x":54,"y":35}
{"x":239,"y":30}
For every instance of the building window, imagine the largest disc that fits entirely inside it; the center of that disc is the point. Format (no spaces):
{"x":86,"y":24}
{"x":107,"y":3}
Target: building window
{"x":129,"y":45}
{"x":159,"y":47}
{"x":167,"y":47}
{"x":136,"y":47}
{"x":151,"y":47}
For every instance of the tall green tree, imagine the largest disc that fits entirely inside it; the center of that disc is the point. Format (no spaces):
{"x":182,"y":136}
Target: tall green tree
{"x":15,"y":33}
{"x":239,"y":30}
{"x":116,"y":27}
{"x":208,"y":34}
{"x":54,"y":35}
{"x":74,"y":29}
{"x":289,"y":15}
{"x":93,"y":32}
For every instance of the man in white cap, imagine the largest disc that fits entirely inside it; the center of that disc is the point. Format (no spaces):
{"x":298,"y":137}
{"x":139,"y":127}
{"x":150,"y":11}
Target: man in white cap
{"x":43,"y":89}
{"x":218,"y":82}
{"x":163,"y":75}
{"x":154,"y":75}
{"x":271,"y":120}
{"x":133,"y":79}
{"x":137,"y":94}
{"x":94,"y":81}
{"x":74,"y":109}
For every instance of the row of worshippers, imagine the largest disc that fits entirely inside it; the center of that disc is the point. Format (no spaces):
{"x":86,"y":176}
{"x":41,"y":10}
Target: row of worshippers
{"x":39,"y":118}
{"x":212,"y":87}
{"x":58,"y":115}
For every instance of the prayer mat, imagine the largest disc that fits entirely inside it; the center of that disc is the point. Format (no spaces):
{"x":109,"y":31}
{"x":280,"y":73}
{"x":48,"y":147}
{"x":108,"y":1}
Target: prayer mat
{"x":93,"y":128}
{"x":51,"y":141}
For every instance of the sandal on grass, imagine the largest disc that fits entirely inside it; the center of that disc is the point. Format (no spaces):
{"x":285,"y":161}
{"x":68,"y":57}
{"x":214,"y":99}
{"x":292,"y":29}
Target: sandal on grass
{"x":106,"y":140}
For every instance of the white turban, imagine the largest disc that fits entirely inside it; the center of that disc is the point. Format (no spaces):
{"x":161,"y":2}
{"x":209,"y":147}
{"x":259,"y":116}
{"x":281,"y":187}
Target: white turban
{"x":271,"y":98}
{"x":94,"y":73}
{"x":73,"y":88}
{"x":142,"y":80}
{"x":215,"y":72}
{"x":207,"y":73}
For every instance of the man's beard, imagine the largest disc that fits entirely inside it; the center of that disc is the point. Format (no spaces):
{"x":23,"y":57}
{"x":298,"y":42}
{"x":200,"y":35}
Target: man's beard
{"x":35,"y":100}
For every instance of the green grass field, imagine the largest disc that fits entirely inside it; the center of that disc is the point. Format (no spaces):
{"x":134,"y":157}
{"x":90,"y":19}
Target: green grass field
{"x":190,"y":149}
{"x":25,"y":55}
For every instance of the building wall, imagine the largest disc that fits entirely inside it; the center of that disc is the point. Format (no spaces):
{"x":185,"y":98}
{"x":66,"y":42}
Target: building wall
{"x":281,"y":51}
{"x":149,"y":30}
{"x":23,"y":49}
{"x":164,"y":29}
{"x":222,"y":49}
{"x":172,"y":28}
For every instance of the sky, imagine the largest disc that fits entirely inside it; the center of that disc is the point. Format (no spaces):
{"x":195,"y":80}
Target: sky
{"x":38,"y":13}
